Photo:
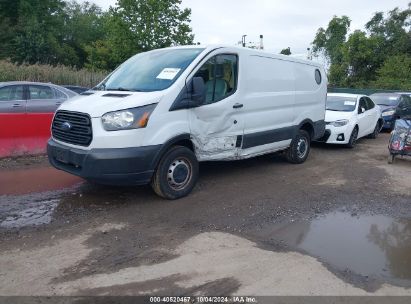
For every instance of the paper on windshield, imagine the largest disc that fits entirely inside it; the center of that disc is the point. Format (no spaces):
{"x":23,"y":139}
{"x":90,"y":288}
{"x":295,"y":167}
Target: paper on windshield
{"x":168,"y":73}
{"x":349,"y":103}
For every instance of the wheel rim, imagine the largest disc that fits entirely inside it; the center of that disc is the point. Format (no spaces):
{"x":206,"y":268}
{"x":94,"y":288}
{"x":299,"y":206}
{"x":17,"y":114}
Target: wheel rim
{"x":302,"y":147}
{"x":179,"y":173}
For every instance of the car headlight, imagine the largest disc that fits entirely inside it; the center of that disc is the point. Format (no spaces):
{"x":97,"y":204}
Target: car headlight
{"x":127,"y":119}
{"x":388,"y":113}
{"x":339,"y":123}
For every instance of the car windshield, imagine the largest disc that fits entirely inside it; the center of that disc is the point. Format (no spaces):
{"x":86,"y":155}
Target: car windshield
{"x":340,"y":103}
{"x":150,"y":71}
{"x":385,"y":100}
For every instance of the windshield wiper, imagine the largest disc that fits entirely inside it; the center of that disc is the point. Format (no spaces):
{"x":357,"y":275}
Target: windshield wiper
{"x":101,"y":87}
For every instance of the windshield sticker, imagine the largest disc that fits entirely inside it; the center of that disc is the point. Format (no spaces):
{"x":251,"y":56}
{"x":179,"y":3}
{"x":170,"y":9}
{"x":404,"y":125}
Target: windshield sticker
{"x":349,"y":103}
{"x":168,"y":73}
{"x":392,"y":98}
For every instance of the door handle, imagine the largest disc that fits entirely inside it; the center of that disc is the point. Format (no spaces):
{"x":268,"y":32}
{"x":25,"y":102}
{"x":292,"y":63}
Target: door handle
{"x":238,"y":106}
{"x":17,"y":105}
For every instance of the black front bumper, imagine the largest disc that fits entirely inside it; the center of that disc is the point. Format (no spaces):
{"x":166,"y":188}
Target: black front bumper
{"x":125,"y":166}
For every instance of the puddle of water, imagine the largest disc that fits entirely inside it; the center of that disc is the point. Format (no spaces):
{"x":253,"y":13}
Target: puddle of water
{"x":366,"y":245}
{"x":36,"y":214}
{"x":31,"y":180}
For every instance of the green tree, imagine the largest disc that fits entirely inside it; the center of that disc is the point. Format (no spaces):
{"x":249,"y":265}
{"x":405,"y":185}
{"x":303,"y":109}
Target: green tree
{"x":8,"y":23}
{"x":360,"y":60}
{"x":355,"y":61}
{"x":393,"y":31}
{"x":38,"y":32}
{"x":134,"y":26}
{"x":395,"y":73}
{"x":83,"y":27}
{"x":328,"y":42}
{"x":286,"y":51}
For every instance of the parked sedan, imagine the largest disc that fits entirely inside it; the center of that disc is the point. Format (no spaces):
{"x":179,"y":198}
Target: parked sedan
{"x":32,"y":97}
{"x":349,"y":117}
{"x":26,"y":110}
{"x":393,"y":106}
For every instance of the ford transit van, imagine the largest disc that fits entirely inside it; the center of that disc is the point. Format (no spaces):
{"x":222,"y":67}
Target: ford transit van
{"x":161,"y":112}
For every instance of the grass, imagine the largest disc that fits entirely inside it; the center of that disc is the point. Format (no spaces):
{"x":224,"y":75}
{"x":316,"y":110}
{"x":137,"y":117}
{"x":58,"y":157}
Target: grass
{"x":61,"y":75}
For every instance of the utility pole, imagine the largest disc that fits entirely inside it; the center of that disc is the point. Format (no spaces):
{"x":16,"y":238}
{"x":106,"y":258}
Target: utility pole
{"x":243,"y":40}
{"x":261,"y":42}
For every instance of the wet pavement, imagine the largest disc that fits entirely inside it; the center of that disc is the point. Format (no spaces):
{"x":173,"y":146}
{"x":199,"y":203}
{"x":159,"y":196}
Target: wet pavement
{"x":29,"y":180}
{"x":343,"y":218}
{"x":371,"y":245}
{"x":34,"y":214}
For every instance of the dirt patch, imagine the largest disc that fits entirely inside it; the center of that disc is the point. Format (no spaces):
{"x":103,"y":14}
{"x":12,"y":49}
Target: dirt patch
{"x":210,"y":257}
{"x":21,"y":162}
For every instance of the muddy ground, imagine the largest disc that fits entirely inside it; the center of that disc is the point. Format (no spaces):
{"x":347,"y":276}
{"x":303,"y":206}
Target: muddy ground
{"x":339,"y":224}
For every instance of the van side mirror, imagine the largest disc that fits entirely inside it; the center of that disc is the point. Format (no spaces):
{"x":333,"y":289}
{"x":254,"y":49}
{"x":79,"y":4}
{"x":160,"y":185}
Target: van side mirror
{"x":362,"y":110}
{"x":198,"y":91}
{"x":192,"y":95}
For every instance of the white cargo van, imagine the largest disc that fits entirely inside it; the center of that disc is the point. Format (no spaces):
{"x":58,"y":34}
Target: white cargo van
{"x":161,"y":112}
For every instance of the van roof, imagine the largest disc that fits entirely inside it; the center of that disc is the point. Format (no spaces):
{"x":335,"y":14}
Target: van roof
{"x":263,"y":53}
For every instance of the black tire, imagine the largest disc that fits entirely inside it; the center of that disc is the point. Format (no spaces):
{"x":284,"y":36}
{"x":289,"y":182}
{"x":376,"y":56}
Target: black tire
{"x":376,"y":131}
{"x":353,"y":138}
{"x":391,"y":158}
{"x":299,"y":149}
{"x":176,"y":174}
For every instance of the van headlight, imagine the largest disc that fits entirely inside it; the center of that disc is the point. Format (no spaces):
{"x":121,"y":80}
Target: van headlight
{"x":134,"y":118}
{"x":388,"y":113}
{"x":339,"y":123}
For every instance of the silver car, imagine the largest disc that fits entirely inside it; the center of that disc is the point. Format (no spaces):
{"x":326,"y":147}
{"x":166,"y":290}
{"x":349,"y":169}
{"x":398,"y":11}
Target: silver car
{"x":32,"y":97}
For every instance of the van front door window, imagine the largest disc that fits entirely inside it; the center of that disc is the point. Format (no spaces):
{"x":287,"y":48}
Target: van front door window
{"x":220,"y":76}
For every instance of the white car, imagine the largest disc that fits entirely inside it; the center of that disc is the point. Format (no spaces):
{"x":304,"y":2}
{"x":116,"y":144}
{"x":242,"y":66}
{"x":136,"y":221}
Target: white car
{"x":349,"y":117}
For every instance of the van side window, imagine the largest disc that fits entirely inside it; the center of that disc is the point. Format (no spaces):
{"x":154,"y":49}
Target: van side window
{"x":220,"y":77}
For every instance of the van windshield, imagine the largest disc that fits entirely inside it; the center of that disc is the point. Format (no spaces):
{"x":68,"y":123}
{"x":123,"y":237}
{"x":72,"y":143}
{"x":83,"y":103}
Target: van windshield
{"x":339,"y":103}
{"x":150,"y":71}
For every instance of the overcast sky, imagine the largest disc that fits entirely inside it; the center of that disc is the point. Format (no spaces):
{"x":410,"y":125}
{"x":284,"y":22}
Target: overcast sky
{"x":284,"y":23}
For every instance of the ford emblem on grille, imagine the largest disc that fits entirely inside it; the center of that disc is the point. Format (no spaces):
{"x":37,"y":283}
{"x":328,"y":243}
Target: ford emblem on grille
{"x":66,"y":126}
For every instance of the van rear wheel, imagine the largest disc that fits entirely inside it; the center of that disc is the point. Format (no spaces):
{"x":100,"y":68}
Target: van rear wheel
{"x":299,"y":149}
{"x":176,"y":174}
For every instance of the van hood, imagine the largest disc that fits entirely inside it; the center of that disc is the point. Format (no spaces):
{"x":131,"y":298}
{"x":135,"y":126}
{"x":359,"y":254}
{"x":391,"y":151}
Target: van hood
{"x":337,"y":115}
{"x":101,"y":102}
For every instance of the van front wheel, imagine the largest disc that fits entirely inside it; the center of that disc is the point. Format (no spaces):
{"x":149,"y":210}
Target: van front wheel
{"x":299,"y":149}
{"x":176,"y":174}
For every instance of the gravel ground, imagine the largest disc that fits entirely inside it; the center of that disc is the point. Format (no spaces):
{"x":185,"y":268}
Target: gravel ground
{"x":90,"y":239}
